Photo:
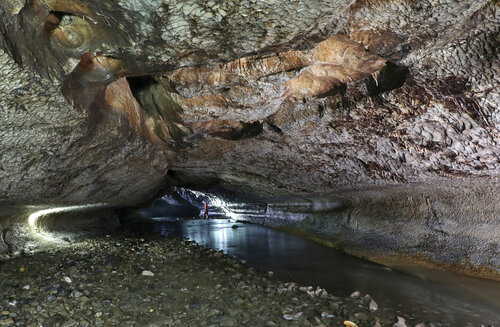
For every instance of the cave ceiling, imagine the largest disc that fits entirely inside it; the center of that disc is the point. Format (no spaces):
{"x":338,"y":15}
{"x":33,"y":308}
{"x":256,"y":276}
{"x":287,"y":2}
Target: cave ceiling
{"x":117,"y":100}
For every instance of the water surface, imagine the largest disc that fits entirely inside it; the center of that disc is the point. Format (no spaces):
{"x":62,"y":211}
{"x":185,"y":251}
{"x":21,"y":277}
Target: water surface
{"x":424,"y":295}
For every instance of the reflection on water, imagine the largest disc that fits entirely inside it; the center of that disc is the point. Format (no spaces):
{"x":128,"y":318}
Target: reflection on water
{"x":461,"y":301}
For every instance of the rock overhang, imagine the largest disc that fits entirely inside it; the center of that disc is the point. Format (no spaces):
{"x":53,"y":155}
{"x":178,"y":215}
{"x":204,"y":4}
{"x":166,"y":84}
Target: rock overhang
{"x":349,"y":99}
{"x":117,"y":102}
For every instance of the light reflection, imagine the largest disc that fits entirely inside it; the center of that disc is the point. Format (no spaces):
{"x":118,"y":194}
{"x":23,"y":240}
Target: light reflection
{"x":33,"y":219}
{"x":219,"y":203}
{"x":292,"y":258}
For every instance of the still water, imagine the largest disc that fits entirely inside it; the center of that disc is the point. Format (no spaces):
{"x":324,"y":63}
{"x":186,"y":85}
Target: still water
{"x":443,"y":298}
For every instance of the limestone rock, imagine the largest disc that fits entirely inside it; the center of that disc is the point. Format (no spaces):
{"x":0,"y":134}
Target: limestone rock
{"x":117,"y":101}
{"x":98,"y":104}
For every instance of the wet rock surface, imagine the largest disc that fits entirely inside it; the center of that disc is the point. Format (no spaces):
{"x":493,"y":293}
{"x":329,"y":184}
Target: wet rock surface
{"x":446,"y":226}
{"x":132,"y":281}
{"x":33,"y":228}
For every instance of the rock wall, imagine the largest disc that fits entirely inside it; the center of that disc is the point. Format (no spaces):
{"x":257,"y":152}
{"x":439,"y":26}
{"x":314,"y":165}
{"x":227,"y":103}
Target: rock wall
{"x":26,"y":229}
{"x":100,"y":99}
{"x":452,"y":227}
{"x":118,"y":101}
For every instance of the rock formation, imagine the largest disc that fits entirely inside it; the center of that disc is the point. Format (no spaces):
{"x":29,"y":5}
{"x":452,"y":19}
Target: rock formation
{"x":116,"y":101}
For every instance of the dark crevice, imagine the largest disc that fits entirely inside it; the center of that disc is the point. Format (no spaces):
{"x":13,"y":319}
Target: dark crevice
{"x":171,"y":174}
{"x":231,"y":130}
{"x":54,"y":19}
{"x":249,"y":130}
{"x":405,"y":49}
{"x":389,"y":78}
{"x":138,"y":83}
{"x":341,"y":88}
{"x":321,"y":110}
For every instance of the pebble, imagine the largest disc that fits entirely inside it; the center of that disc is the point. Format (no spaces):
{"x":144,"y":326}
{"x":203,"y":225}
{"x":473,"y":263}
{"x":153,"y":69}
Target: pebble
{"x":361,"y":316}
{"x":199,"y":287}
{"x":7,"y":322}
{"x":327,"y":315}
{"x":356,"y":295}
{"x":289,"y":316}
{"x":70,"y":323}
{"x":227,"y":322}
{"x":349,"y":323}
{"x":373,"y":306}
{"x":400,"y":323}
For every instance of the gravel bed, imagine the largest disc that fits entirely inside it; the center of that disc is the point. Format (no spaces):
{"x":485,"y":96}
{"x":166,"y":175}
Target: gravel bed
{"x":133,"y":281}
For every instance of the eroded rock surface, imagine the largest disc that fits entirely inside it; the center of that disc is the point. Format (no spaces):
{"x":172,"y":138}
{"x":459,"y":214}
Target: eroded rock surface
{"x":114,"y":101}
{"x":244,"y":93}
{"x":430,"y":113}
{"x":442,"y":226}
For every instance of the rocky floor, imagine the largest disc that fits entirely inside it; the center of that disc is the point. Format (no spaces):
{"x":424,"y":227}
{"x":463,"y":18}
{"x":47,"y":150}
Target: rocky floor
{"x":131,"y":281}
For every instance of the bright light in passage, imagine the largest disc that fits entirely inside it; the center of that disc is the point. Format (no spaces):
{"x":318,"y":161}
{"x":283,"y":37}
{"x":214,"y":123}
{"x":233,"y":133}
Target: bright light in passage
{"x":33,"y":218}
{"x":215,"y":201}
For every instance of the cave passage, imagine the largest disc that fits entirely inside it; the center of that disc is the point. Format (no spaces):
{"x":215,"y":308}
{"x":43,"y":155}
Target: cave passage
{"x":451,"y":299}
{"x":96,"y":257}
{"x":345,"y":152}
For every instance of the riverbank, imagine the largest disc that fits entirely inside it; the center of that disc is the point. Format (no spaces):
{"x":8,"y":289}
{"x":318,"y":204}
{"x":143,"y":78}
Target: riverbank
{"x":132,"y":281}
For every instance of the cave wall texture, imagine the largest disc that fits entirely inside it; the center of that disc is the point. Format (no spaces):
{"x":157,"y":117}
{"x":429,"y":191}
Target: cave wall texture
{"x":116,"y":101}
{"x":100,"y":99}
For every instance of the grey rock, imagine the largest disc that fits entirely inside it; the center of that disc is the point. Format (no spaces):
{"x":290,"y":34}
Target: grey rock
{"x":228,"y":322}
{"x":355,"y":295}
{"x":400,"y":323}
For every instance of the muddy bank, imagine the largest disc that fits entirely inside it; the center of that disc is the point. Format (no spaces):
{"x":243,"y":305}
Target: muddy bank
{"x":131,"y":281}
